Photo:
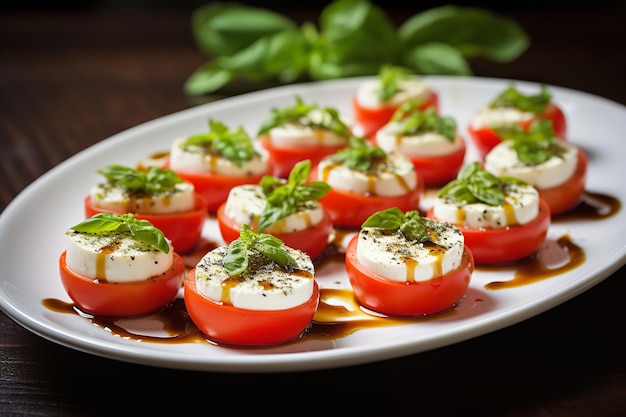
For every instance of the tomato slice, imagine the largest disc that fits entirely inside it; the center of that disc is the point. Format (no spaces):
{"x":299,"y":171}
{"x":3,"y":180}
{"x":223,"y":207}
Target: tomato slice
{"x":440,"y":169}
{"x":223,"y":323}
{"x":486,"y":138}
{"x":312,"y":241}
{"x":370,"y":119}
{"x":123,"y":299}
{"x":351,"y":210}
{"x":183,"y":229}
{"x":508,"y":244}
{"x":407,"y":298}
{"x":283,"y":159}
{"x":565,"y":196}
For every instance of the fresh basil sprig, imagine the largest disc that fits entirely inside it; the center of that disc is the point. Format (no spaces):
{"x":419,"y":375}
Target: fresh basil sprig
{"x":410,"y":223}
{"x":352,"y":38}
{"x":285,"y":197}
{"x":298,"y":114}
{"x":535,"y":145}
{"x":141,"y":230}
{"x":512,"y":97}
{"x":359,"y":155}
{"x":236,"y":260}
{"x":155,"y":181}
{"x":414,"y":121}
{"x":474,"y":184}
{"x":390,"y":77}
{"x":233,"y":144}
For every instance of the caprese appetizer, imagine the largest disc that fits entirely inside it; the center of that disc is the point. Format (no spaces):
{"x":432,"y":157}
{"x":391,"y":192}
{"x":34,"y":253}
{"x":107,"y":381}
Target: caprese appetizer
{"x":286,"y":208}
{"x":558,"y":169}
{"x":117,"y":265}
{"x":431,"y":142}
{"x":365,"y":179}
{"x":158,"y":195}
{"x":216,"y":161}
{"x":378,"y":98}
{"x":503,"y":219}
{"x":514,"y":109}
{"x":256,"y":291}
{"x":404,"y":264}
{"x":302,"y":131}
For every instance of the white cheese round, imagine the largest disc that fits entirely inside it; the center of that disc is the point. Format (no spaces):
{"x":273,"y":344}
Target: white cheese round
{"x":390,"y":255}
{"x":499,"y":116}
{"x":300,"y":135}
{"x":114,"y":198}
{"x":194,"y":159}
{"x":502,"y":160}
{"x":270,"y":287}
{"x":425,"y":144}
{"x":396,"y":176}
{"x":115,"y":257}
{"x":411,"y":88}
{"x":245,"y":204}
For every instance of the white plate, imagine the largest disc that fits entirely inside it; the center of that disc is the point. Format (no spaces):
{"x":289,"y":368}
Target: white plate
{"x":35,"y":221}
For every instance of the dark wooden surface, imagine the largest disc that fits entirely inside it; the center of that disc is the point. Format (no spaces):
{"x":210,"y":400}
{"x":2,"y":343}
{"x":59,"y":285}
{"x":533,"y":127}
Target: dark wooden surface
{"x":70,"y":80}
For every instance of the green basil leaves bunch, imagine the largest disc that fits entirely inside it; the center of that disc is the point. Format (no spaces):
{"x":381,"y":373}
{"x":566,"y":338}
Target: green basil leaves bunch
{"x":359,"y":155}
{"x":236,"y":260}
{"x":107,"y":223}
{"x":352,"y":38}
{"x":535,"y":145}
{"x":512,"y":97}
{"x":155,"y":181}
{"x":414,"y":121}
{"x":411,"y":224}
{"x":233,"y":144}
{"x":286,"y":197}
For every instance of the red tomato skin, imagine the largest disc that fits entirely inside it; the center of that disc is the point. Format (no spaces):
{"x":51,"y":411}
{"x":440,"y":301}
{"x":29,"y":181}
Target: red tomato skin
{"x":486,"y":138}
{"x":183,"y":229}
{"x":125,"y":299}
{"x":215,"y":188}
{"x":369,"y":120}
{"x":283,"y":159}
{"x":407,"y":298}
{"x":563,"y":197}
{"x":508,"y":244}
{"x":351,"y":210}
{"x":223,"y":323}
{"x":440,"y":169}
{"x":312,"y":241}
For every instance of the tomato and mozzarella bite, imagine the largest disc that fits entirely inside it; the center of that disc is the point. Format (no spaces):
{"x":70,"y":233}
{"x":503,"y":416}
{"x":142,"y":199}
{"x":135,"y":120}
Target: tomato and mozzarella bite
{"x":266,"y":286}
{"x":246,"y":203}
{"x":394,"y":176}
{"x":114,"y":257}
{"x":389,"y":255}
{"x":117,"y":198}
{"x":411,"y":88}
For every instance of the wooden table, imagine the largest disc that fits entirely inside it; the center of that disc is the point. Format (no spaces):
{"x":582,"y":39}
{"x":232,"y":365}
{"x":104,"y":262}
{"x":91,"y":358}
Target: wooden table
{"x":68,"y":81}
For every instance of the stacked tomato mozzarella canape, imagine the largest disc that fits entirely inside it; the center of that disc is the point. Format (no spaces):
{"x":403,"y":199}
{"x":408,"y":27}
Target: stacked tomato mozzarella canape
{"x":302,"y":131}
{"x":117,"y":265}
{"x":404,"y":264}
{"x":513,"y":109}
{"x":378,"y":98}
{"x":365,"y":179}
{"x":254,"y":292}
{"x":286,"y":208}
{"x":556,"y":168}
{"x":431,"y":142}
{"x":503,"y":219}
{"x":216,"y":161}
{"x":159,"y":196}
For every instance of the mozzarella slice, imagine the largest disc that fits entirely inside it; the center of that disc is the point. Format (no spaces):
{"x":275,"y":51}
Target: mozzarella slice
{"x":194,"y":159}
{"x":297,"y":134}
{"x":109,"y":197}
{"x":499,"y":116}
{"x":411,"y":88}
{"x":266,"y":287}
{"x":394,"y":177}
{"x":502,"y":160}
{"x":245,"y":204}
{"x":390,"y":255}
{"x":115,"y":257}
{"x":522,"y":206}
{"x":424,"y":144}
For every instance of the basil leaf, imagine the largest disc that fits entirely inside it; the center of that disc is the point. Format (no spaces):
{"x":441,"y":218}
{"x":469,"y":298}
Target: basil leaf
{"x":233,"y":144}
{"x":390,"y":219}
{"x":410,"y":224}
{"x":474,"y":184}
{"x":236,"y":259}
{"x":512,"y":97}
{"x":155,"y":181}
{"x":436,"y":58}
{"x":206,"y":79}
{"x":359,"y":155}
{"x":413,"y":121}
{"x":535,"y":145}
